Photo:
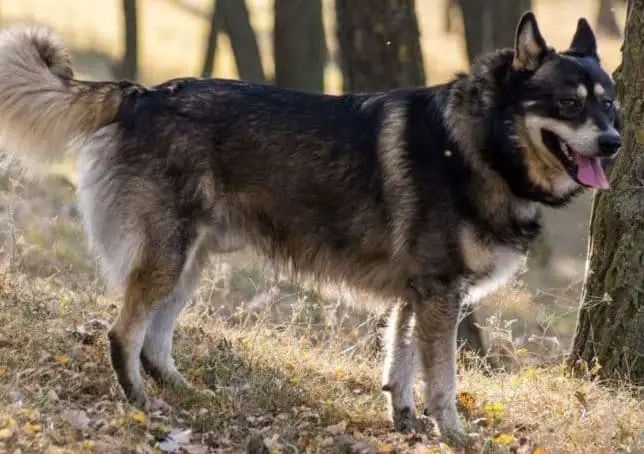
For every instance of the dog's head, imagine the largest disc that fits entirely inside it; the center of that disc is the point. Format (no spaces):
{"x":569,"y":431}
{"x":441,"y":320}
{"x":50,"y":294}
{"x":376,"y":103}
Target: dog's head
{"x":567,"y":116}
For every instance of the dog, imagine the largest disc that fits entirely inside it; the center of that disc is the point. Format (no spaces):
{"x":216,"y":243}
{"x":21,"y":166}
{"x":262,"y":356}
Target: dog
{"x":428,"y":197}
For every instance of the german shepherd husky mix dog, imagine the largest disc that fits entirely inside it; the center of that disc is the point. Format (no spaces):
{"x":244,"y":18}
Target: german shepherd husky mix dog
{"x":426,"y":197}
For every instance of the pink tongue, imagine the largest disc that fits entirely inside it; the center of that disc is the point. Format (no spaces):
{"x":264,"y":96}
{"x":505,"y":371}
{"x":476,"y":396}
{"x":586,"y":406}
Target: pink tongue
{"x":590,"y":172}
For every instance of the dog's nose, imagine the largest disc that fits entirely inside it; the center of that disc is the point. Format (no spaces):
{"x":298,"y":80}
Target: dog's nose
{"x":609,"y":143}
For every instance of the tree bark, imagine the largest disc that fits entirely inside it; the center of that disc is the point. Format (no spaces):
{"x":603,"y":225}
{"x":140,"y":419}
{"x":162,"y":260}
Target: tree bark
{"x":606,"y":20}
{"x":232,"y":17}
{"x":299,"y":45}
{"x":609,"y":339}
{"x":379,"y":44}
{"x":128,"y":68}
{"x":490,"y":24}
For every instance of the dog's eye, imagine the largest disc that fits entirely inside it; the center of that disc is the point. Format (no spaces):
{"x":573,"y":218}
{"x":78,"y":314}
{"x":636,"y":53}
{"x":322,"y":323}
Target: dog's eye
{"x":570,"y":105}
{"x":607,"y":104}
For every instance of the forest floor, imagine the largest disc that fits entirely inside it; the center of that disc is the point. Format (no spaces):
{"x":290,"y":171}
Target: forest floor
{"x":286,"y":371}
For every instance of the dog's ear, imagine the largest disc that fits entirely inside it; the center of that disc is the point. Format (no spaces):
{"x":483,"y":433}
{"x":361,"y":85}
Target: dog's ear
{"x":584,"y":42}
{"x":529,"y":45}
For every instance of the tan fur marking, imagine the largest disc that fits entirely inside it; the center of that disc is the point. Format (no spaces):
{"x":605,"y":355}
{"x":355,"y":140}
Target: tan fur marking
{"x":599,"y":90}
{"x":398,"y":193}
{"x":478,"y":257}
{"x":582,"y":91}
{"x":527,"y":49}
{"x":543,"y":166}
{"x":494,"y":196}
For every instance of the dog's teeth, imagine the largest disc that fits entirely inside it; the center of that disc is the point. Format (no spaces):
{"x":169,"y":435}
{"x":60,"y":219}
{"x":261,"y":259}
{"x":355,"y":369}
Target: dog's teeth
{"x":565,"y":148}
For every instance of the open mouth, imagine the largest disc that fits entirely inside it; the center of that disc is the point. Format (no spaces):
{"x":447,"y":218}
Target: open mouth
{"x":585,"y":170}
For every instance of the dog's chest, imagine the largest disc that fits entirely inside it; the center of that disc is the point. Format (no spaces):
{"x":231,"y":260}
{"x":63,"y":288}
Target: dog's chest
{"x":489,"y":265}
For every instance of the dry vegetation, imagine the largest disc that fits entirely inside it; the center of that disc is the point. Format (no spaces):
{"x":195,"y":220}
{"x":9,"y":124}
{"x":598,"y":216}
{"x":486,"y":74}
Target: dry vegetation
{"x":280,"y":364}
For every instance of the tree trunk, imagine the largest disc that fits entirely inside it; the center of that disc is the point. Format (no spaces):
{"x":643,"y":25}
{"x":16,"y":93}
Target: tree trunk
{"x":610,"y":330}
{"x":449,"y":6}
{"x":128,"y":68}
{"x":379,"y":44}
{"x":232,"y":17}
{"x":216,"y":26}
{"x":606,"y":20}
{"x":299,"y":45}
{"x":490,"y":25}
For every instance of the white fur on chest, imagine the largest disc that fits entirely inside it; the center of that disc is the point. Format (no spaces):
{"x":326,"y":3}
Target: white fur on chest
{"x":497,"y":263}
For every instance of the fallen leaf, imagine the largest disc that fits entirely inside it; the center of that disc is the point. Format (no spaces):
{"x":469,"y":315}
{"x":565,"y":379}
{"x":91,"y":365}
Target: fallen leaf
{"x":61,"y":359}
{"x":7,"y":421}
{"x":32,"y":428}
{"x":302,"y":444}
{"x":539,"y":450}
{"x":180,"y":436}
{"x":15,"y":395}
{"x":339,"y":373}
{"x":6,"y":433}
{"x":77,"y":418}
{"x":137,"y":416}
{"x":494,"y":410}
{"x":337,"y":429}
{"x":88,"y":445}
{"x":466,"y":401}
{"x":28,"y":413}
{"x":385,"y":448}
{"x":504,"y":439}
{"x":3,"y":371}
{"x":169,"y":445}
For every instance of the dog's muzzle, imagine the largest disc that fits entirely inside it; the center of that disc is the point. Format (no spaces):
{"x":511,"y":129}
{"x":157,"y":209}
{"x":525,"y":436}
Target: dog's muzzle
{"x":609,"y":143}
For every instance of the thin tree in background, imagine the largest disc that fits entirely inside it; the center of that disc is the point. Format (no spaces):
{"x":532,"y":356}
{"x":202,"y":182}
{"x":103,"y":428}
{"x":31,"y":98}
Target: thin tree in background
{"x":233,"y":18}
{"x":128,"y":67}
{"x":448,"y":8}
{"x":610,"y":330}
{"x":216,"y":26}
{"x":490,"y":24}
{"x":606,"y":20}
{"x":379,"y":44}
{"x":299,"y":45}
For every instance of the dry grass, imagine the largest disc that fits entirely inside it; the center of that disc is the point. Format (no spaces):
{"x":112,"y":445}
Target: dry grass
{"x":281,"y":364}
{"x":266,"y":379}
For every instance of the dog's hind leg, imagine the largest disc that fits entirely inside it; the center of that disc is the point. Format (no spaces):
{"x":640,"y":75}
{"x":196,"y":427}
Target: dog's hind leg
{"x":146,"y":284}
{"x":156,"y":354}
{"x":399,"y":367}
{"x":436,"y":328}
{"x":155,"y":273}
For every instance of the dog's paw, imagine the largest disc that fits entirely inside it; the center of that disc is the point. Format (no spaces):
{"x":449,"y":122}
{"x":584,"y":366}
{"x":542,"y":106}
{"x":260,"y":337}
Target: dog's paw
{"x":449,"y":427}
{"x":174,"y":380}
{"x":405,"y":421}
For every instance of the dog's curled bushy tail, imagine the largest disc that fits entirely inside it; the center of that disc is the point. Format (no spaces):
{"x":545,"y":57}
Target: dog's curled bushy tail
{"x":44,"y":112}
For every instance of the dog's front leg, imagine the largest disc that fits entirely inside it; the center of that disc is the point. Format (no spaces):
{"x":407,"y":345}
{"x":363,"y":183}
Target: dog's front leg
{"x":435,"y":333}
{"x":399,"y":368}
